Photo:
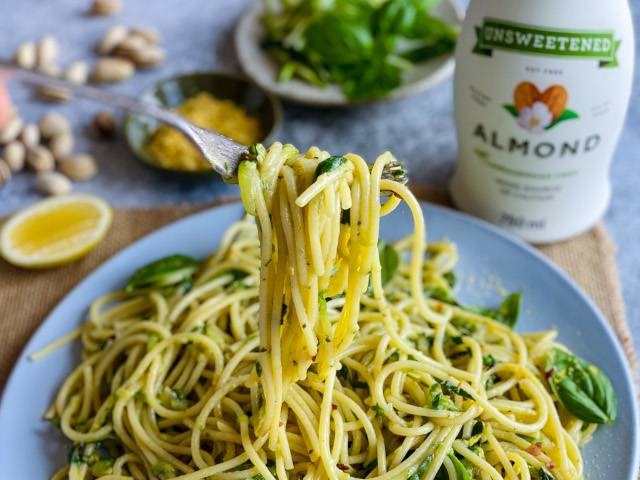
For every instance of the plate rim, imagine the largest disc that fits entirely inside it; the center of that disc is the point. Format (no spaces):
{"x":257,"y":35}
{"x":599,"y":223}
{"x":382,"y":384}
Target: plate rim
{"x":246,"y":23}
{"x":447,"y":211}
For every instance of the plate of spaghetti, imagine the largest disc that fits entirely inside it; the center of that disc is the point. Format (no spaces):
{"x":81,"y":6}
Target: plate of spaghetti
{"x":329,"y":327}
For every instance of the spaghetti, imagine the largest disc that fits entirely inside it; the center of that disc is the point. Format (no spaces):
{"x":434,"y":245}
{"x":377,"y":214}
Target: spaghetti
{"x":304,"y":348}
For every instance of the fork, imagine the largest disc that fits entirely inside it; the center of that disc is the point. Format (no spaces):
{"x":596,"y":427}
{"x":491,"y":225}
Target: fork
{"x":222,"y":153}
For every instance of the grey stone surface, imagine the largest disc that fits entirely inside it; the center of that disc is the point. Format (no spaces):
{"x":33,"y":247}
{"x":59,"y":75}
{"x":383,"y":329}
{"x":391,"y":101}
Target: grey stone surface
{"x":198,"y":36}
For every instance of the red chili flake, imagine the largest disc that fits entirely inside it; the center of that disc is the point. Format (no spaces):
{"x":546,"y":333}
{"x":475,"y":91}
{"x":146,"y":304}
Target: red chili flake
{"x":343,"y":467}
{"x":314,"y":358}
{"x":280,"y":424}
{"x":550,"y":373}
{"x":334,"y":407}
{"x":550,"y":465}
{"x":535,"y":449}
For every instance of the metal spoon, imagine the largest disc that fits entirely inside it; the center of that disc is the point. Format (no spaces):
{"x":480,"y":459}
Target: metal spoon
{"x":222,"y":153}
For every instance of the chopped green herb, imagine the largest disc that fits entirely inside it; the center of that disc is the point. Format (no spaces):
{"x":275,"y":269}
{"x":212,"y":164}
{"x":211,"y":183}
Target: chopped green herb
{"x":447,"y":387}
{"x":174,"y":399}
{"x":540,"y":474}
{"x":440,"y":293}
{"x":462,"y":473}
{"x":379,"y":411}
{"x":488,"y":361}
{"x":163,"y":470}
{"x":345,"y":218}
{"x":394,"y":357}
{"x":440,"y":401}
{"x":451,"y":278}
{"x":102,"y":467}
{"x":422,"y":469}
{"x":478,"y":428}
{"x":346,"y":373}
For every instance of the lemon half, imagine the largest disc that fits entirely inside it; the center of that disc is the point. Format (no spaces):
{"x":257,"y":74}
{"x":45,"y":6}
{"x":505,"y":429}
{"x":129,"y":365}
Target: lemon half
{"x":55,"y":231}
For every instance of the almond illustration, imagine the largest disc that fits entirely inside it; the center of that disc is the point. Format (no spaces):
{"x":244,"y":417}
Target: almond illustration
{"x":555,"y":97}
{"x":525,"y":94}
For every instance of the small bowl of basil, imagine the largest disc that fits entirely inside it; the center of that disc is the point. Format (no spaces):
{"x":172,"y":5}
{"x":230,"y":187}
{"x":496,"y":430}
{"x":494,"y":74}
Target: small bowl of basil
{"x":351,"y":52}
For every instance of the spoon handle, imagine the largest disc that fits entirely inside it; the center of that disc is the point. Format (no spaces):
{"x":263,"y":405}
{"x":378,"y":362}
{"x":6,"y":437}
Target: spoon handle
{"x":226,"y":152}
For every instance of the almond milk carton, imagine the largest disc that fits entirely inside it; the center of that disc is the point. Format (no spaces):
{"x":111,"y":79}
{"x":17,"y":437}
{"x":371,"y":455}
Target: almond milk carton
{"x":541,"y":92}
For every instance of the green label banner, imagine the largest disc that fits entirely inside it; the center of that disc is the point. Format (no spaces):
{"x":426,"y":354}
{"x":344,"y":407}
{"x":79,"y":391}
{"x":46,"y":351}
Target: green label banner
{"x":498,"y":34}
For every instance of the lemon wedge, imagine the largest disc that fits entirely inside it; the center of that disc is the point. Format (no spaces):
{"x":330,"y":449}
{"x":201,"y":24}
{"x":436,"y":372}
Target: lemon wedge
{"x":55,"y":231}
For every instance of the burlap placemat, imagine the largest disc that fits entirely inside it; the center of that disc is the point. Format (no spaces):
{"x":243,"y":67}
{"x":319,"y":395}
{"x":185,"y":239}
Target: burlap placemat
{"x":27,"y":297}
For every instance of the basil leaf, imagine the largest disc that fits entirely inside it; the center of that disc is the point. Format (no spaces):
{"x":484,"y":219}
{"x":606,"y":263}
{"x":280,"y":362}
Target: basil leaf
{"x":371,"y":79}
{"x":440,"y":293}
{"x":389,"y":261}
{"x":403,"y":17}
{"x":580,"y":387}
{"x":509,"y":310}
{"x":396,"y":17}
{"x":335,"y":40}
{"x":507,"y":313}
{"x":164,"y":272}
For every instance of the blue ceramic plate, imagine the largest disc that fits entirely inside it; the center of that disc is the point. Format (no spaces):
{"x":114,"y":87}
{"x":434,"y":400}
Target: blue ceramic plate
{"x":490,"y":264}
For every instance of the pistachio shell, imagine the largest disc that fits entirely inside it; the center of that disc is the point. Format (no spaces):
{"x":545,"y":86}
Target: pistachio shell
{"x":5,"y":172}
{"x":148,"y":56}
{"x":149,"y":34}
{"x":40,"y":159}
{"x":11,"y":129}
{"x":52,"y":123}
{"x":79,"y":167}
{"x":113,"y":70}
{"x":53,"y":183}
{"x":14,"y":155}
{"x":129,"y":45}
{"x":26,"y":55}
{"x":77,"y":72}
{"x":112,"y":38}
{"x":104,"y":125}
{"x":48,"y":50}
{"x":106,"y":7}
{"x":61,"y":145}
{"x":30,"y":135}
